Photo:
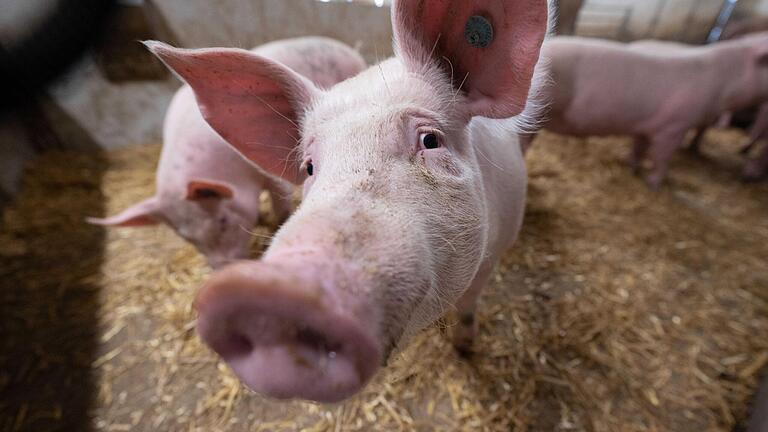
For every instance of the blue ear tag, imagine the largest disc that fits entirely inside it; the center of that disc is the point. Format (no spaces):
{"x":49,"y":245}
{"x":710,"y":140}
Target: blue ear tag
{"x":478,"y":32}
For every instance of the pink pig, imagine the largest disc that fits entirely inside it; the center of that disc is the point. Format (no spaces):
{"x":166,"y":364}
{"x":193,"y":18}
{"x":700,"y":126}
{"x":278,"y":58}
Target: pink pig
{"x":656,"y":95}
{"x":205,"y":190}
{"x":410,"y":197}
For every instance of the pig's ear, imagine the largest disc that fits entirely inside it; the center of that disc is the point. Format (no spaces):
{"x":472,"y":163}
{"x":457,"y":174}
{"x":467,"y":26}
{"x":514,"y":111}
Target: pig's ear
{"x":145,"y":213}
{"x":489,"y":48}
{"x":198,"y":190}
{"x":254,"y":103}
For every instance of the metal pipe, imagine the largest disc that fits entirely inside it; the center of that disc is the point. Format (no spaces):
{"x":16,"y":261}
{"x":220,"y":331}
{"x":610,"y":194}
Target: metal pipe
{"x":722,"y":20}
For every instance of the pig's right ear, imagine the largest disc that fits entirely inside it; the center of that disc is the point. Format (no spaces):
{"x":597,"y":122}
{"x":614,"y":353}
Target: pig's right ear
{"x":254,"y":103}
{"x":489,"y":48}
{"x":144,"y":213}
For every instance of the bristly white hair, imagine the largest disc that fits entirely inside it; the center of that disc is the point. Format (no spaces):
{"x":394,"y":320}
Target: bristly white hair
{"x":533,"y":115}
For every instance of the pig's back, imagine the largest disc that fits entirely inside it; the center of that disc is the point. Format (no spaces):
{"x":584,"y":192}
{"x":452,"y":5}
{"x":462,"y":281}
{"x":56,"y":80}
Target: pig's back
{"x":324,"y":61}
{"x":606,"y":87}
{"x":193,"y":150}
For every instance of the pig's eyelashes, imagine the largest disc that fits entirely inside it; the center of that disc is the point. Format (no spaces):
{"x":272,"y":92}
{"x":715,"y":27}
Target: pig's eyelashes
{"x":429,"y":140}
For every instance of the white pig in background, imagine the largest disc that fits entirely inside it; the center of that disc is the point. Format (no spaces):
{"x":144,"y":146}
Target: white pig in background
{"x":410,"y":197}
{"x":209,"y":193}
{"x":655,"y":92}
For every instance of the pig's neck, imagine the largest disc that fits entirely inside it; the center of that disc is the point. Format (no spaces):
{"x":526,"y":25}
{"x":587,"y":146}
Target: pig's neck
{"x":738,"y":92}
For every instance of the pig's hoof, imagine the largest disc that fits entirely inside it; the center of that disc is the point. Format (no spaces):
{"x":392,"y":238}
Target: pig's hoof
{"x":465,"y":352}
{"x":464,"y":335}
{"x":464,"y":345}
{"x":654,"y":183}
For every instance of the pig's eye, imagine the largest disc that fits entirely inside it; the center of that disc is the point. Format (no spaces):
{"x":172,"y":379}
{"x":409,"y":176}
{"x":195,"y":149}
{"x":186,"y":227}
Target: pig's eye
{"x":310,"y":168}
{"x":429,"y":141}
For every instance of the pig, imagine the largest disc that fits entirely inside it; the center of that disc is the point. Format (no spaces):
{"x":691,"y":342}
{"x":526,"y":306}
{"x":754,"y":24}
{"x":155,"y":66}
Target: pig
{"x":746,"y":26}
{"x":657,"y":96}
{"x":413,"y":186}
{"x":206,"y":191}
{"x":653,"y":45}
{"x":746,"y":118}
{"x":758,"y":130}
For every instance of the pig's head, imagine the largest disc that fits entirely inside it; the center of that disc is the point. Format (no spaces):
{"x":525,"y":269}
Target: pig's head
{"x":760,"y":58}
{"x":392,"y":227}
{"x":753,"y":87}
{"x":211,"y":215}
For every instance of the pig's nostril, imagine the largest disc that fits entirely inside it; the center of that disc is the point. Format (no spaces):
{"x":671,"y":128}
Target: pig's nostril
{"x":235,"y":344}
{"x":316,"y":341}
{"x":284,"y":340}
{"x":241,"y":343}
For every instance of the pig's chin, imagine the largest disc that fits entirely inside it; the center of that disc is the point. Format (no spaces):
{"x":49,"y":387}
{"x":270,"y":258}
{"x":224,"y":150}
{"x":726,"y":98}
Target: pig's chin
{"x":282,"y":334}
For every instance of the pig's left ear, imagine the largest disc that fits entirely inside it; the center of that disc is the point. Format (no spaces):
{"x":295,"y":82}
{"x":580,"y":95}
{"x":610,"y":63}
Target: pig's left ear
{"x":489,"y":48}
{"x":253,"y":102}
{"x":198,"y":190}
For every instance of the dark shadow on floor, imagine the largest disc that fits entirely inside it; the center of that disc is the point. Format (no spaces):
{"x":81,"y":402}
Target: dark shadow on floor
{"x":49,"y":295}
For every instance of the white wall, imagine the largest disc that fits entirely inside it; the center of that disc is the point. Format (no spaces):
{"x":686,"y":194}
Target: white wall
{"x":247,"y":23}
{"x":125,"y":114}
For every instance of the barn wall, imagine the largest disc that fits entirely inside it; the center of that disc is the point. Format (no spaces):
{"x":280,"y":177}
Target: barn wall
{"x":17,"y":16}
{"x":682,"y":20}
{"x":247,"y":23}
{"x":125,"y":114}
{"x":114,"y":115}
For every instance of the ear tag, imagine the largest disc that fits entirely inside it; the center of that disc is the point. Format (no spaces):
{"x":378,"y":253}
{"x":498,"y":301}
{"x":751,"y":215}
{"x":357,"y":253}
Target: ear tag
{"x":478,"y":32}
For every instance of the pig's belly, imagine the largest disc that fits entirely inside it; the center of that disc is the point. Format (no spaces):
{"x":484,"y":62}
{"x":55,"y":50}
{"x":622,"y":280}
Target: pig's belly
{"x":582,"y":123}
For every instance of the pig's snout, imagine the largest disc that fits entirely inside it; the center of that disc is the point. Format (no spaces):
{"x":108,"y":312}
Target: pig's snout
{"x":281,"y":333}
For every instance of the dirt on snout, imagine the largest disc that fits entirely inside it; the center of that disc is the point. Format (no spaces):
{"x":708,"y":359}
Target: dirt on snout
{"x":619,"y":309}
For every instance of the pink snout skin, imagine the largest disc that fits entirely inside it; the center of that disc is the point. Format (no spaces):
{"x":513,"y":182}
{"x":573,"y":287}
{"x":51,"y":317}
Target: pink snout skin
{"x":279,"y":329}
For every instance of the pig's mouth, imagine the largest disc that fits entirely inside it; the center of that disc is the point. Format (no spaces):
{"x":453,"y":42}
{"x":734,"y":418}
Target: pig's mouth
{"x":279,"y":336}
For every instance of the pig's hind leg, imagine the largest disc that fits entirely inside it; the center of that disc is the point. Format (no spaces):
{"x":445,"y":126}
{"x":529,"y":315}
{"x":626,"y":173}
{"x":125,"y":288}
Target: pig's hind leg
{"x":464,"y":332}
{"x":759,"y":129}
{"x":663,"y":146}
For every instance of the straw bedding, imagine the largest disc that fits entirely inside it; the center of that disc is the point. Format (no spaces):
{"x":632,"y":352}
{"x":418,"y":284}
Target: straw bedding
{"x":618,"y":310}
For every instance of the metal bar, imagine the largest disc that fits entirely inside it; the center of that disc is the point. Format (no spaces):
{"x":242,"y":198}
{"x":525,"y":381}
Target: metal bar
{"x":722,"y":20}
